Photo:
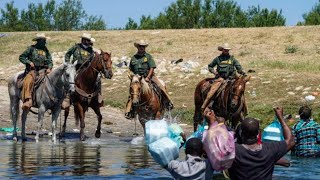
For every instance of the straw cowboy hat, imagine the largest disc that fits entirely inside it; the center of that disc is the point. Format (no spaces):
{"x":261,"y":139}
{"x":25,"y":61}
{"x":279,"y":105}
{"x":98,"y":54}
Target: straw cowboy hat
{"x":224,"y":46}
{"x":86,"y":36}
{"x":141,"y":43}
{"x":40,"y":36}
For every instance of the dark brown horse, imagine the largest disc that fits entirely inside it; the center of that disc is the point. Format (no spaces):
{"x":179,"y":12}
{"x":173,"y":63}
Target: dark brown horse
{"x":146,"y":102}
{"x":86,"y":94}
{"x":228,"y":101}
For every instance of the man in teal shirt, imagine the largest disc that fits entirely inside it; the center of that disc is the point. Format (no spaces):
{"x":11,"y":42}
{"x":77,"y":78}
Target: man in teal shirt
{"x":307,"y":135}
{"x":143,"y":64}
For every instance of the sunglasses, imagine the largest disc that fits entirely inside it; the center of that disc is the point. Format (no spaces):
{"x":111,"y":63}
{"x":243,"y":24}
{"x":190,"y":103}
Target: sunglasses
{"x":140,"y":46}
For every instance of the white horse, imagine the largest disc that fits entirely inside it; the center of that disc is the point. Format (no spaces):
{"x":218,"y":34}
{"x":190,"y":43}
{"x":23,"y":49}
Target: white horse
{"x":49,"y":95}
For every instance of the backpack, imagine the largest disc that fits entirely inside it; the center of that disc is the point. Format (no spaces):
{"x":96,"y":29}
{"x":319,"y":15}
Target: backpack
{"x":219,"y":145}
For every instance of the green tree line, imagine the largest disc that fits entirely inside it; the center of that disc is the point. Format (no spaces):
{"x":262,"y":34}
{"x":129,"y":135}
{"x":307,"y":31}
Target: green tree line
{"x":68,"y":15}
{"x":184,"y":14}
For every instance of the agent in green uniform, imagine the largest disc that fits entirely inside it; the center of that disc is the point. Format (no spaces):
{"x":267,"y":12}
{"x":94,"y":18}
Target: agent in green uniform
{"x":143,"y":64}
{"x":80,"y":53}
{"x":227,"y":66}
{"x":36,"y":57}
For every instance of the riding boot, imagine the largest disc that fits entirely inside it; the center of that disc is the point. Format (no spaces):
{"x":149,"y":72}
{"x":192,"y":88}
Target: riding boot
{"x":27,"y":104}
{"x":168,"y":102}
{"x":66,"y":102}
{"x":129,"y":114}
{"x":214,"y":87}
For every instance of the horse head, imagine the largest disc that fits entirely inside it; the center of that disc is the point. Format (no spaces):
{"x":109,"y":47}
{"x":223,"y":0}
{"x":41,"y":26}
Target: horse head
{"x":138,"y":87}
{"x":105,"y":65}
{"x":238,"y":89}
{"x":69,"y":76}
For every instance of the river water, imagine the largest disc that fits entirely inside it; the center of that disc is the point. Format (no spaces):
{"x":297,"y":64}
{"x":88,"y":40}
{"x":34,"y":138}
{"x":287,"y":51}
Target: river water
{"x":112,"y":158}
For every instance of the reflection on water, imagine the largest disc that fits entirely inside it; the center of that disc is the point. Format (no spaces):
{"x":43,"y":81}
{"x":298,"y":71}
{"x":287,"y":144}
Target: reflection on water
{"x":112,"y":158}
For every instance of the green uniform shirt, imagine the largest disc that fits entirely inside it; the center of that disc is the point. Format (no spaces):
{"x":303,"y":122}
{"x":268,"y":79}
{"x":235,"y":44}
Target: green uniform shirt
{"x":141,"y":64}
{"x":226,"y":66}
{"x":79,"y":53}
{"x":40,"y":57}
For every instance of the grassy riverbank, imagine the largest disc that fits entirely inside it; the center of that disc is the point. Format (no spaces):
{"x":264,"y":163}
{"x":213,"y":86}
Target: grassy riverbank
{"x":285,"y":61}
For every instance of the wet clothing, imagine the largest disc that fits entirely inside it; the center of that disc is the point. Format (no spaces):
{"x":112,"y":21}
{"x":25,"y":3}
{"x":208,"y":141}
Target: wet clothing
{"x":141,"y":64}
{"x":226,"y":66}
{"x":307,"y":138}
{"x":80,"y":54}
{"x":258,"y":164}
{"x":41,"y":58}
{"x":192,"y":168}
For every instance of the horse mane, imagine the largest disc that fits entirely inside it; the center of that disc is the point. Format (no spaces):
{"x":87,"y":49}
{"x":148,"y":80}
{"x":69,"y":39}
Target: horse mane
{"x":144,"y":85}
{"x":56,"y":71}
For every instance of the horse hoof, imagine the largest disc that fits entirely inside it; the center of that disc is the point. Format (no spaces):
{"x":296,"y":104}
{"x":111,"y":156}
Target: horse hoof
{"x":82,"y":138}
{"x":15,"y":139}
{"x":98,"y":134}
{"x":62,"y":134}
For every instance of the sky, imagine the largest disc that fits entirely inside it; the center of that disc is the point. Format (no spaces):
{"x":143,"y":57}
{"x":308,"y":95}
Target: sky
{"x":116,"y":12}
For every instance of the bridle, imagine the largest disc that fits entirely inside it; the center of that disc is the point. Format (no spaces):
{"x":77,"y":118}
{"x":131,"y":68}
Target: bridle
{"x":105,"y":70}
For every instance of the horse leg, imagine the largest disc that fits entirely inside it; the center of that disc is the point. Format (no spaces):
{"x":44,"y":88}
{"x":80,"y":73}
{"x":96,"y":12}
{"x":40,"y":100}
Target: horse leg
{"x":55,"y":113}
{"x":80,"y":113}
{"x":41,"y":112}
{"x":23,"y":124}
{"x":66,"y":114}
{"x":14,"y":112}
{"x":99,"y":116}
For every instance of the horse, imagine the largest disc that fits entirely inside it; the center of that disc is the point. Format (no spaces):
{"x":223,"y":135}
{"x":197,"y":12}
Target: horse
{"x":86,"y":93}
{"x":49,"y":95}
{"x":145,"y":100}
{"x":228,"y":101}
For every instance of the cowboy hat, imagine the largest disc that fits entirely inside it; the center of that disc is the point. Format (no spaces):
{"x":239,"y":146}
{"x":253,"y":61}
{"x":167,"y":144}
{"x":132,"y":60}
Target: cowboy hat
{"x":86,"y":36}
{"x":224,"y":46}
{"x":93,"y":40}
{"x":141,"y":43}
{"x":40,"y":36}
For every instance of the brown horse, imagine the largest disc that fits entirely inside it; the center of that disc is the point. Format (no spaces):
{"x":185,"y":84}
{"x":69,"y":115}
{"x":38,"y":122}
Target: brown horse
{"x":86,"y":94}
{"x":228,"y":102}
{"x":145,"y":100}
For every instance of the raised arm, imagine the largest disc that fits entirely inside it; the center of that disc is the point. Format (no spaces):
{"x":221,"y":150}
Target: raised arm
{"x":288,"y":136}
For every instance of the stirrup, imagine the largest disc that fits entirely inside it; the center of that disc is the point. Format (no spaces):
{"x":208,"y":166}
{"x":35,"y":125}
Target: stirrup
{"x":129,"y":115}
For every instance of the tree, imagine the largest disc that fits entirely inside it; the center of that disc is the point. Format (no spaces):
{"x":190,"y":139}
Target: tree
{"x":68,"y":15}
{"x":9,"y":20}
{"x":312,"y":17}
{"x":263,"y":18}
{"x":146,"y":22}
{"x":131,"y":25}
{"x":37,"y":17}
{"x":94,"y":23}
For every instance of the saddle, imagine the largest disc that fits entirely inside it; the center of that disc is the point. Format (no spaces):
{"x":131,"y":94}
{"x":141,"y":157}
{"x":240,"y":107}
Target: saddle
{"x":208,"y":85}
